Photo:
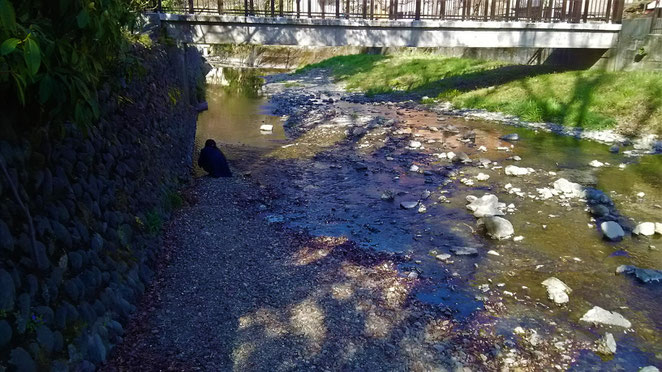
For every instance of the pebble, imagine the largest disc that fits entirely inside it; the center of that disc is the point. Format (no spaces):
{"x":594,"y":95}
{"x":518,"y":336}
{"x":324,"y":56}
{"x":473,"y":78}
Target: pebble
{"x":482,"y":177}
{"x":513,"y":170}
{"x":266,"y":127}
{"x":415,"y":144}
{"x":443,"y":257}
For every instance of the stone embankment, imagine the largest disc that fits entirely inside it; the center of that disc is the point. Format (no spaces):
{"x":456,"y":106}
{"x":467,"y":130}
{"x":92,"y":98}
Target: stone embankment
{"x":73,"y":269}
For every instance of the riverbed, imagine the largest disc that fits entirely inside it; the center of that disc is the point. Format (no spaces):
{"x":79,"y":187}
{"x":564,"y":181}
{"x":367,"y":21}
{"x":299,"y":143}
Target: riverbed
{"x":348,"y":168}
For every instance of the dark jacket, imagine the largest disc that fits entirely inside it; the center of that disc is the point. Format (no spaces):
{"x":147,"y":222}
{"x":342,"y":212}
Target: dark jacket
{"x":213,"y":162}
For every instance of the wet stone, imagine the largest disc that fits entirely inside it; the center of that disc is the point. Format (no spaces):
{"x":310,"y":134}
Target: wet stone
{"x":22,"y":360}
{"x":498,"y":228}
{"x":645,"y":228}
{"x":598,"y":315}
{"x":557,"y":291}
{"x":644,"y":275}
{"x":606,"y":345}
{"x":7,"y":291}
{"x":408,"y":204}
{"x":510,"y":137}
{"x":612,"y":231}
{"x":464,"y":251}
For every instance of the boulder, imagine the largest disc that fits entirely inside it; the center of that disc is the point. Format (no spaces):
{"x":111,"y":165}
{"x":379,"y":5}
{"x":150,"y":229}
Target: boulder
{"x":5,"y":333}
{"x":612,"y":231}
{"x":596,"y":163}
{"x":415,"y":144}
{"x":644,"y":228}
{"x":649,"y":369}
{"x":486,"y":205}
{"x":598,"y":315}
{"x":557,"y":291}
{"x":22,"y":360}
{"x":498,"y":228}
{"x":7,"y":291}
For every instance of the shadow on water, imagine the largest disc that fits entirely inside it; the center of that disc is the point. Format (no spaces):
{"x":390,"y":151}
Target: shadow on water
{"x":329,"y":185}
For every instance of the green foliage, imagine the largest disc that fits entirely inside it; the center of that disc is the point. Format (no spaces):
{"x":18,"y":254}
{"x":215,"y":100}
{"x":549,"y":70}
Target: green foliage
{"x":173,"y":201}
{"x":592,"y":99}
{"x":54,"y":53}
{"x":174,"y":94}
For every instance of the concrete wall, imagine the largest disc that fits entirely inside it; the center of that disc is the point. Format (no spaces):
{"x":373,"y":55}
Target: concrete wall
{"x":201,"y":29}
{"x":634,"y":39}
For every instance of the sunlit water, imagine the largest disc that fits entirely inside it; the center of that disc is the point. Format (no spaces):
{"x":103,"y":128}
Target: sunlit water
{"x":327,"y":194}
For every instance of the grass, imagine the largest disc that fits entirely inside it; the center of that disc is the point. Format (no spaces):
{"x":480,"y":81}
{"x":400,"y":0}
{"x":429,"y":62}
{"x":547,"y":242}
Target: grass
{"x":631,"y":102}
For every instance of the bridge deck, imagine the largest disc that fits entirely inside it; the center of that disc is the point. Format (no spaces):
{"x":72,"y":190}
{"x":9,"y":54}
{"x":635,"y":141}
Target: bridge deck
{"x":204,"y":29}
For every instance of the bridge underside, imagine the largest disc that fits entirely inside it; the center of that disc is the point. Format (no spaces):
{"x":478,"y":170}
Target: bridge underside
{"x":203,"y":29}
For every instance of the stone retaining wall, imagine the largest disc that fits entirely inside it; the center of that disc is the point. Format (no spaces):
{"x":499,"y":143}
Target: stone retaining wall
{"x":97,"y":202}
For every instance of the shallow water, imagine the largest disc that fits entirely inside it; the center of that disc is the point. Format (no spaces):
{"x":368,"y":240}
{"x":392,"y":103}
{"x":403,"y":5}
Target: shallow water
{"x":332,"y":184}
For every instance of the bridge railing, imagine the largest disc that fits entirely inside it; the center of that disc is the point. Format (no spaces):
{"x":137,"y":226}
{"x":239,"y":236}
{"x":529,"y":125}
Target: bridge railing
{"x":572,"y":11}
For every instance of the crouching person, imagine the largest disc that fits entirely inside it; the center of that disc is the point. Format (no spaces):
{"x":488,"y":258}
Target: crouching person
{"x":213,"y":161}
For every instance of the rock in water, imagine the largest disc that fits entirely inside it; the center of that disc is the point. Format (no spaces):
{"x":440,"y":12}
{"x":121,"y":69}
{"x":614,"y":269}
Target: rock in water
{"x":606,"y":345}
{"x":464,"y":251}
{"x":510,"y":137}
{"x":658,"y":228}
{"x":487,"y":205}
{"x":387,"y":196}
{"x":414,"y":144}
{"x":569,"y":189}
{"x":408,"y":204}
{"x":645,"y":228}
{"x":513,"y":170}
{"x":598,"y":315}
{"x":649,"y":369}
{"x":596,"y":163}
{"x":266,"y":127}
{"x":443,"y":257}
{"x":498,"y":228}
{"x":557,"y":290}
{"x":612,"y":231}
{"x":644,"y":275}
{"x":614,"y":149}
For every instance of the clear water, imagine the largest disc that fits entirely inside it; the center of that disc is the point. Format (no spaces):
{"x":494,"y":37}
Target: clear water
{"x":326,"y":193}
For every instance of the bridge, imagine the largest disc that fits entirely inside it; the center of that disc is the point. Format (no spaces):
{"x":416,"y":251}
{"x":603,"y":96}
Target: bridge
{"x":592,"y":24}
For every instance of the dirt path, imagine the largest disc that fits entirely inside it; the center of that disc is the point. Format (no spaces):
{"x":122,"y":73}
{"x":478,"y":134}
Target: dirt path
{"x":239,"y":293}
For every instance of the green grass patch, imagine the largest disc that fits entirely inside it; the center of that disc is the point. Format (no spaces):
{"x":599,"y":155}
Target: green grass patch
{"x":628,"y":101}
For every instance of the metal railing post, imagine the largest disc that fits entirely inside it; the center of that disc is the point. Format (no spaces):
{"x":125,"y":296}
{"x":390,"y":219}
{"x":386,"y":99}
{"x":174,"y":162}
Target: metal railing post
{"x":365,"y":9}
{"x":310,"y":9}
{"x":190,"y":6}
{"x":220,"y":7}
{"x":245,"y":8}
{"x":417,"y":16}
{"x":337,"y":8}
{"x":347,"y":13}
{"x":585,"y":16}
{"x":159,"y":6}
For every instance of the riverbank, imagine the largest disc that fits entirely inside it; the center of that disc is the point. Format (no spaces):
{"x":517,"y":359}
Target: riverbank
{"x":627,"y":102}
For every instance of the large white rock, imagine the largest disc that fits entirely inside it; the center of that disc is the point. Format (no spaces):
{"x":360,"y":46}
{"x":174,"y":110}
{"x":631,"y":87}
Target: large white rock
{"x":598,"y":315}
{"x":612,"y":231}
{"x":658,"y":228}
{"x":498,"y":228}
{"x":513,"y":170}
{"x":644,"y":228}
{"x":557,"y":291}
{"x":649,"y":369}
{"x":486,"y":205}
{"x":266,"y":127}
{"x":569,"y":189}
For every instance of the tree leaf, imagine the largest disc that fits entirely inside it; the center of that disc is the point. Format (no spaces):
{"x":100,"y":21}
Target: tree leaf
{"x":7,"y":15}
{"x":83,"y":18}
{"x":32,"y":55}
{"x":8,"y":46}
{"x":20,"y":84}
